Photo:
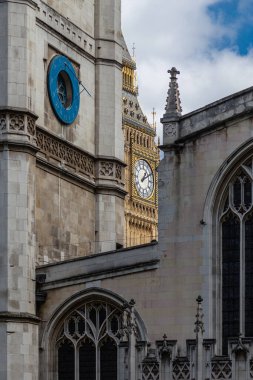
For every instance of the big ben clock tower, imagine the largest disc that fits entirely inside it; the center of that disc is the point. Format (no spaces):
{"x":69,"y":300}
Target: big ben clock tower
{"x":142,"y":158}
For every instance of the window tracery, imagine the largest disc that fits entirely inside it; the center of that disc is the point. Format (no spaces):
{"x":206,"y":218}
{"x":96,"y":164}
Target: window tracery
{"x":90,"y":332}
{"x":236,"y":220}
{"x":89,"y":340}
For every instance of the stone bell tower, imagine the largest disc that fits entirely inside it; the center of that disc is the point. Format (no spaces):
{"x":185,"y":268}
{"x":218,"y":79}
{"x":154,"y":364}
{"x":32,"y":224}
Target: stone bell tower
{"x":18,"y":323}
{"x":76,"y":206}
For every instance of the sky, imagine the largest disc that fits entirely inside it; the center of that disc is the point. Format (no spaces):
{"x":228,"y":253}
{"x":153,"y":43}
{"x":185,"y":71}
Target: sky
{"x":209,"y":41}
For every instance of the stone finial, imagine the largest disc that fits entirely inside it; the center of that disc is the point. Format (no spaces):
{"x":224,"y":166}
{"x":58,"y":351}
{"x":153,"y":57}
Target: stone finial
{"x":165,"y":350}
{"x":173,"y":102}
{"x":240,"y":347}
{"x":199,"y":324}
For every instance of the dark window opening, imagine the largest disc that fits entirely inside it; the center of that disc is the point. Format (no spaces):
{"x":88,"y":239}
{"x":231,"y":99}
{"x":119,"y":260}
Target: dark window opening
{"x":108,"y":360}
{"x":66,"y":361}
{"x":230,"y":279}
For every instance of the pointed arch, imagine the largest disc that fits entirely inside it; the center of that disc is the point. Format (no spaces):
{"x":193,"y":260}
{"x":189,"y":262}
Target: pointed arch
{"x":93,"y":318}
{"x":228,"y":193}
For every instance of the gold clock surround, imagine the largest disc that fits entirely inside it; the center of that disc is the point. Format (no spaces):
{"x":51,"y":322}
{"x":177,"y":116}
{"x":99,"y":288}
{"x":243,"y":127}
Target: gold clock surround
{"x":135,"y":193}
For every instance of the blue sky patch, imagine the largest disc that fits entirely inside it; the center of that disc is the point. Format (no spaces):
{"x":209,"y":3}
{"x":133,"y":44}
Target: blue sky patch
{"x":237,"y":16}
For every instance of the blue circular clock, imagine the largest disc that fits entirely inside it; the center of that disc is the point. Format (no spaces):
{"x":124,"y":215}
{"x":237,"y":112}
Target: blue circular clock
{"x":63,"y":89}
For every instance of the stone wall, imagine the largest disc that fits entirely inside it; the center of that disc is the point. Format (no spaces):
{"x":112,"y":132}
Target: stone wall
{"x":79,"y":12}
{"x":187,"y":256}
{"x":70,"y":42}
{"x":65,"y":219}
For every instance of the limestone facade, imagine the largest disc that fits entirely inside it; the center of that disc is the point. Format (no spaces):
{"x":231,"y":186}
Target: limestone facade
{"x":62,"y":185}
{"x":154,"y":311}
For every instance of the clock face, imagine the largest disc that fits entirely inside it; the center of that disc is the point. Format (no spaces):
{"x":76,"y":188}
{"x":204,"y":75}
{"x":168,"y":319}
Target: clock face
{"x":63,"y":89}
{"x":144,"y":179}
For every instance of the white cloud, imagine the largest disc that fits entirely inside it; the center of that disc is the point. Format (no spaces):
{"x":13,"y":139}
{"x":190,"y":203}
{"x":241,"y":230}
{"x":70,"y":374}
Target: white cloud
{"x":181,"y":33}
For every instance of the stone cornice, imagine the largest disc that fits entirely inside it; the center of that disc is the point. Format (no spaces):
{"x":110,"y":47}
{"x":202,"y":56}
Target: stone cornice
{"x":107,"y":61}
{"x":216,"y":114}
{"x":24,"y":147}
{"x":138,"y":125}
{"x":214,"y":127}
{"x":102,"y":274}
{"x":129,"y":63}
{"x":69,"y":42}
{"x":7,"y":316}
{"x":19,"y":110}
{"x":100,"y":266}
{"x":106,"y":174}
{"x":54,"y":149}
{"x":111,"y":158}
{"x":18,"y":131}
{"x":61,"y":172}
{"x":49,"y":19}
{"x":111,"y":190}
{"x":30,"y":3}
{"x":18,"y":126}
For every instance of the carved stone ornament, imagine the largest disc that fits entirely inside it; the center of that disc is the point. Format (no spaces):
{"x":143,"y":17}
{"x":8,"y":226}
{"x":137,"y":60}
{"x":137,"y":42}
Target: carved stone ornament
{"x":112,"y":170}
{"x":129,"y":325}
{"x":240,"y":347}
{"x":221,"y":369}
{"x":150,"y":366}
{"x":165,"y":350}
{"x":118,"y":173}
{"x":63,"y":151}
{"x":170,"y":130}
{"x":181,"y":368}
{"x":31,"y":126}
{"x":3,"y":125}
{"x":199,"y":324}
{"x":106,"y":169}
{"x":18,"y":122}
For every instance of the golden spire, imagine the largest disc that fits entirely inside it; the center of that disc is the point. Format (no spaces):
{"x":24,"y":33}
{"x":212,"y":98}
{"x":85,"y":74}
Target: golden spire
{"x":133,"y":48}
{"x":153,"y":113}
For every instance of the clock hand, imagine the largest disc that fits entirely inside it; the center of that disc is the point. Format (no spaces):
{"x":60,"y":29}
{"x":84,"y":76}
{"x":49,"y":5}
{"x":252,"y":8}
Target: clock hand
{"x":145,"y":176}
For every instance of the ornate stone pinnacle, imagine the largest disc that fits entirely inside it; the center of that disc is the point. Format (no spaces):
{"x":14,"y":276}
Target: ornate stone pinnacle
{"x":173,"y":102}
{"x":173,"y":73}
{"x":165,"y":350}
{"x":132,"y":302}
{"x":240,"y":347}
{"x":199,"y":324}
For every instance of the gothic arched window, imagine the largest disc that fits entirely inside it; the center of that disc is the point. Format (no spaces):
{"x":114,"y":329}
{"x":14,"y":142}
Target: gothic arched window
{"x":87,"y":345}
{"x":236,"y":221}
